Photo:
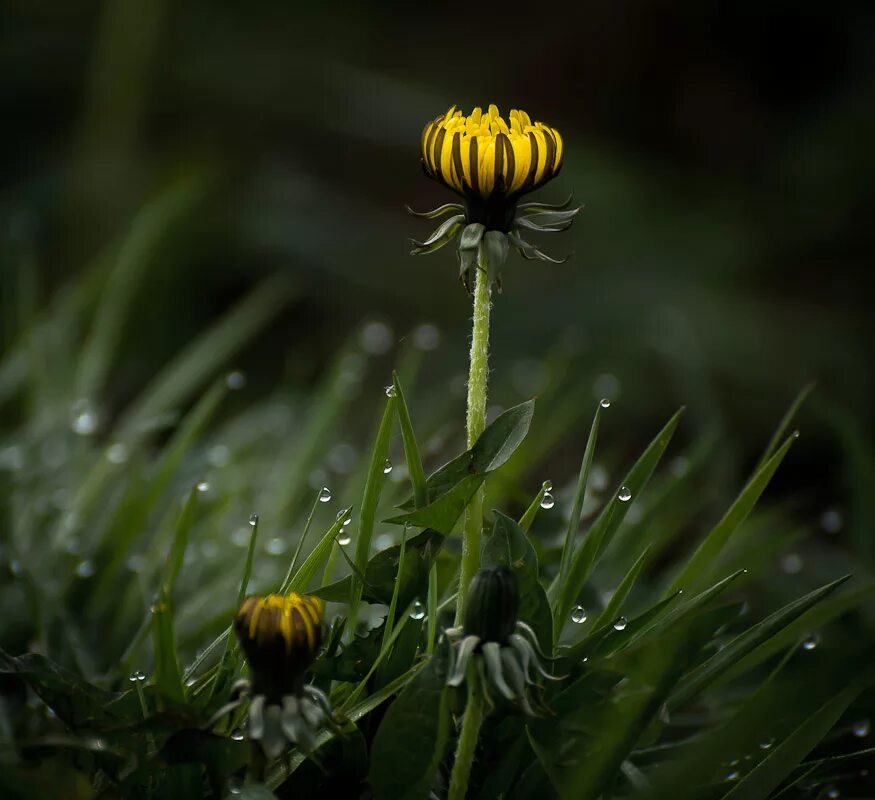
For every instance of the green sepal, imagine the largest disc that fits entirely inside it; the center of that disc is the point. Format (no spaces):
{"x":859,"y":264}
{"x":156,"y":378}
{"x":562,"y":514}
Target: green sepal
{"x":471,"y":236}
{"x":467,"y":264}
{"x":530,"y":252}
{"x":493,"y":250}
{"x":439,"y":237}
{"x":446,"y":208}
{"x":536,"y":207}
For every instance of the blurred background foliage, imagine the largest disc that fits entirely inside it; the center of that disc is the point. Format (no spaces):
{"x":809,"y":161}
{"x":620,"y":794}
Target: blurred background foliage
{"x":722,"y":152}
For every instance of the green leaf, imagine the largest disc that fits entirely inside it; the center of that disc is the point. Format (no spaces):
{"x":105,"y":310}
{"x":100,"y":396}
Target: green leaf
{"x":168,"y":676}
{"x":382,"y":569}
{"x":508,"y":546}
{"x":705,"y":674}
{"x":370,"y":499}
{"x":443,"y":513}
{"x":318,"y":554}
{"x":411,"y":448}
{"x":563,"y":594}
{"x":579,"y":496}
{"x":700,"y":565}
{"x":411,"y":740}
{"x":766,"y":776}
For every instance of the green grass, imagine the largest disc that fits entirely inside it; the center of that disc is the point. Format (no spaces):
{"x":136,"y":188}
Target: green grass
{"x":127,"y":546}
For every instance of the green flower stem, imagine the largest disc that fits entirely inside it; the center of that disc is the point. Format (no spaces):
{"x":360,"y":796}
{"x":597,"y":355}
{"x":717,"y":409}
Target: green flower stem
{"x":472,"y":720}
{"x":477,"y":378}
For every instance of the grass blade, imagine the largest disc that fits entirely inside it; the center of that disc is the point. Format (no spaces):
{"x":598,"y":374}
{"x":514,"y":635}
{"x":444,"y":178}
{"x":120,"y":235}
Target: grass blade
{"x":784,"y":425}
{"x":411,"y":448}
{"x":766,"y":776}
{"x":301,"y":579}
{"x":699,"y":566}
{"x":612,"y":609}
{"x":528,"y":517}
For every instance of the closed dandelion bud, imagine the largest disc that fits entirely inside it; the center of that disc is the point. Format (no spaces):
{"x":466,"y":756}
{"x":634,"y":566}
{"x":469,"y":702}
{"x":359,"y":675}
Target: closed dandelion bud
{"x":281,"y":636}
{"x":491,"y":607}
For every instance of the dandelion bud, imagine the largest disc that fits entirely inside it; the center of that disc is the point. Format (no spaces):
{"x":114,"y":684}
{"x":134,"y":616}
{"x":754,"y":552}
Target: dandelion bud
{"x":491,"y":608}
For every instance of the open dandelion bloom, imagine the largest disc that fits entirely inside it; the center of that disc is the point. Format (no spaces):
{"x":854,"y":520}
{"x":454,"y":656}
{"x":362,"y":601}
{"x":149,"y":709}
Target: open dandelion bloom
{"x":483,"y":155}
{"x":281,"y":636}
{"x":491,"y":162}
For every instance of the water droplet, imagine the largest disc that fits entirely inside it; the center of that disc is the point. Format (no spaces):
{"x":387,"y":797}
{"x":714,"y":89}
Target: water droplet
{"x":117,"y":453}
{"x":578,"y":615}
{"x":547,"y":486}
{"x":791,"y":563}
{"x":376,"y":338}
{"x":387,"y":467}
{"x":85,"y":569}
{"x":83,"y":419}
{"x":624,"y":494}
{"x":861,"y":728}
{"x":620,"y":624}
{"x":831,"y":520}
{"x":811,"y":641}
{"x":548,"y":501}
{"x":765,"y":745}
{"x":324,"y":494}
{"x":390,"y":390}
{"x":235,"y":380}
{"x":418,"y":610}
{"x":426,"y":336}
{"x":138,"y":676}
{"x":203,"y":486}
{"x":733,"y":776}
{"x":275,"y":546}
{"x":237,"y":735}
{"x":344,"y":539}
{"x":253,"y":520}
{"x":605,"y":402}
{"x":341,"y":514}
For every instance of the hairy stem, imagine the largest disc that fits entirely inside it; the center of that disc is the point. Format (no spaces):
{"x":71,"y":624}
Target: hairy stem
{"x":477,"y":378}
{"x":472,"y":720}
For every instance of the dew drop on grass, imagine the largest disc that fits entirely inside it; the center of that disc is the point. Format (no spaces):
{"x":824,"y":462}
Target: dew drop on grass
{"x":811,"y":641}
{"x":83,"y":419}
{"x":765,"y":745}
{"x":418,"y":610}
{"x":733,"y":776}
{"x":85,"y":569}
{"x":578,"y":615}
{"x":344,"y":539}
{"x":387,"y":467}
{"x":548,"y":501}
{"x":547,"y":486}
{"x":624,"y":494}
{"x":137,"y":677}
{"x":620,"y":624}
{"x":237,"y":735}
{"x":324,"y":494}
{"x":203,"y":486}
{"x":390,"y":390}
{"x":861,"y":728}
{"x":605,"y":402}
{"x":340,"y":515}
{"x":253,"y":520}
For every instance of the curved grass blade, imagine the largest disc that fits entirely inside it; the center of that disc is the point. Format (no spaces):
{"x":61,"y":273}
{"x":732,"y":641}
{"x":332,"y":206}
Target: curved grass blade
{"x":318,"y":554}
{"x":531,"y":512}
{"x":784,"y":425}
{"x":411,"y":448}
{"x":612,"y":609}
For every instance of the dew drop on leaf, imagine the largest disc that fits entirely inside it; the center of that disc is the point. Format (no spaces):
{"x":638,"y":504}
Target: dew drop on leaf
{"x":344,"y":539}
{"x":578,"y":615}
{"x":253,"y":520}
{"x":203,"y":486}
{"x":861,"y":728}
{"x":624,"y":494}
{"x":605,"y":402}
{"x":548,"y":501}
{"x":811,"y":641}
{"x":418,"y":610}
{"x":387,"y":467}
{"x":324,"y":494}
{"x":620,"y":624}
{"x":390,"y":390}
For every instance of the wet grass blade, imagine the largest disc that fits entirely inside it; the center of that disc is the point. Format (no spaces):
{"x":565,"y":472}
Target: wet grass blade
{"x":390,"y":617}
{"x":612,"y":609}
{"x":564,"y":594}
{"x":300,"y":545}
{"x":768,"y":775}
{"x":301,"y":579}
{"x":784,"y":425}
{"x":432,"y":608}
{"x":370,"y":500}
{"x":411,"y":448}
{"x":706,"y":674}
{"x":700,"y":565}
{"x":531,"y":512}
{"x":579,"y":496}
{"x":176,"y":555}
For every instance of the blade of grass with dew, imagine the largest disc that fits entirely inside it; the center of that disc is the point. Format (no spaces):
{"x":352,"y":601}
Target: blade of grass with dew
{"x":612,"y":609}
{"x":784,"y":425}
{"x":318,"y":554}
{"x":579,"y":496}
{"x":564,"y":594}
{"x":291,"y":571}
{"x":706,"y":674}
{"x":370,"y":499}
{"x":432,"y":608}
{"x":411,"y":448}
{"x":229,"y":660}
{"x":699,"y":565}
{"x":137,"y":251}
{"x":393,"y":604}
{"x":768,"y":775}
{"x":531,"y":512}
